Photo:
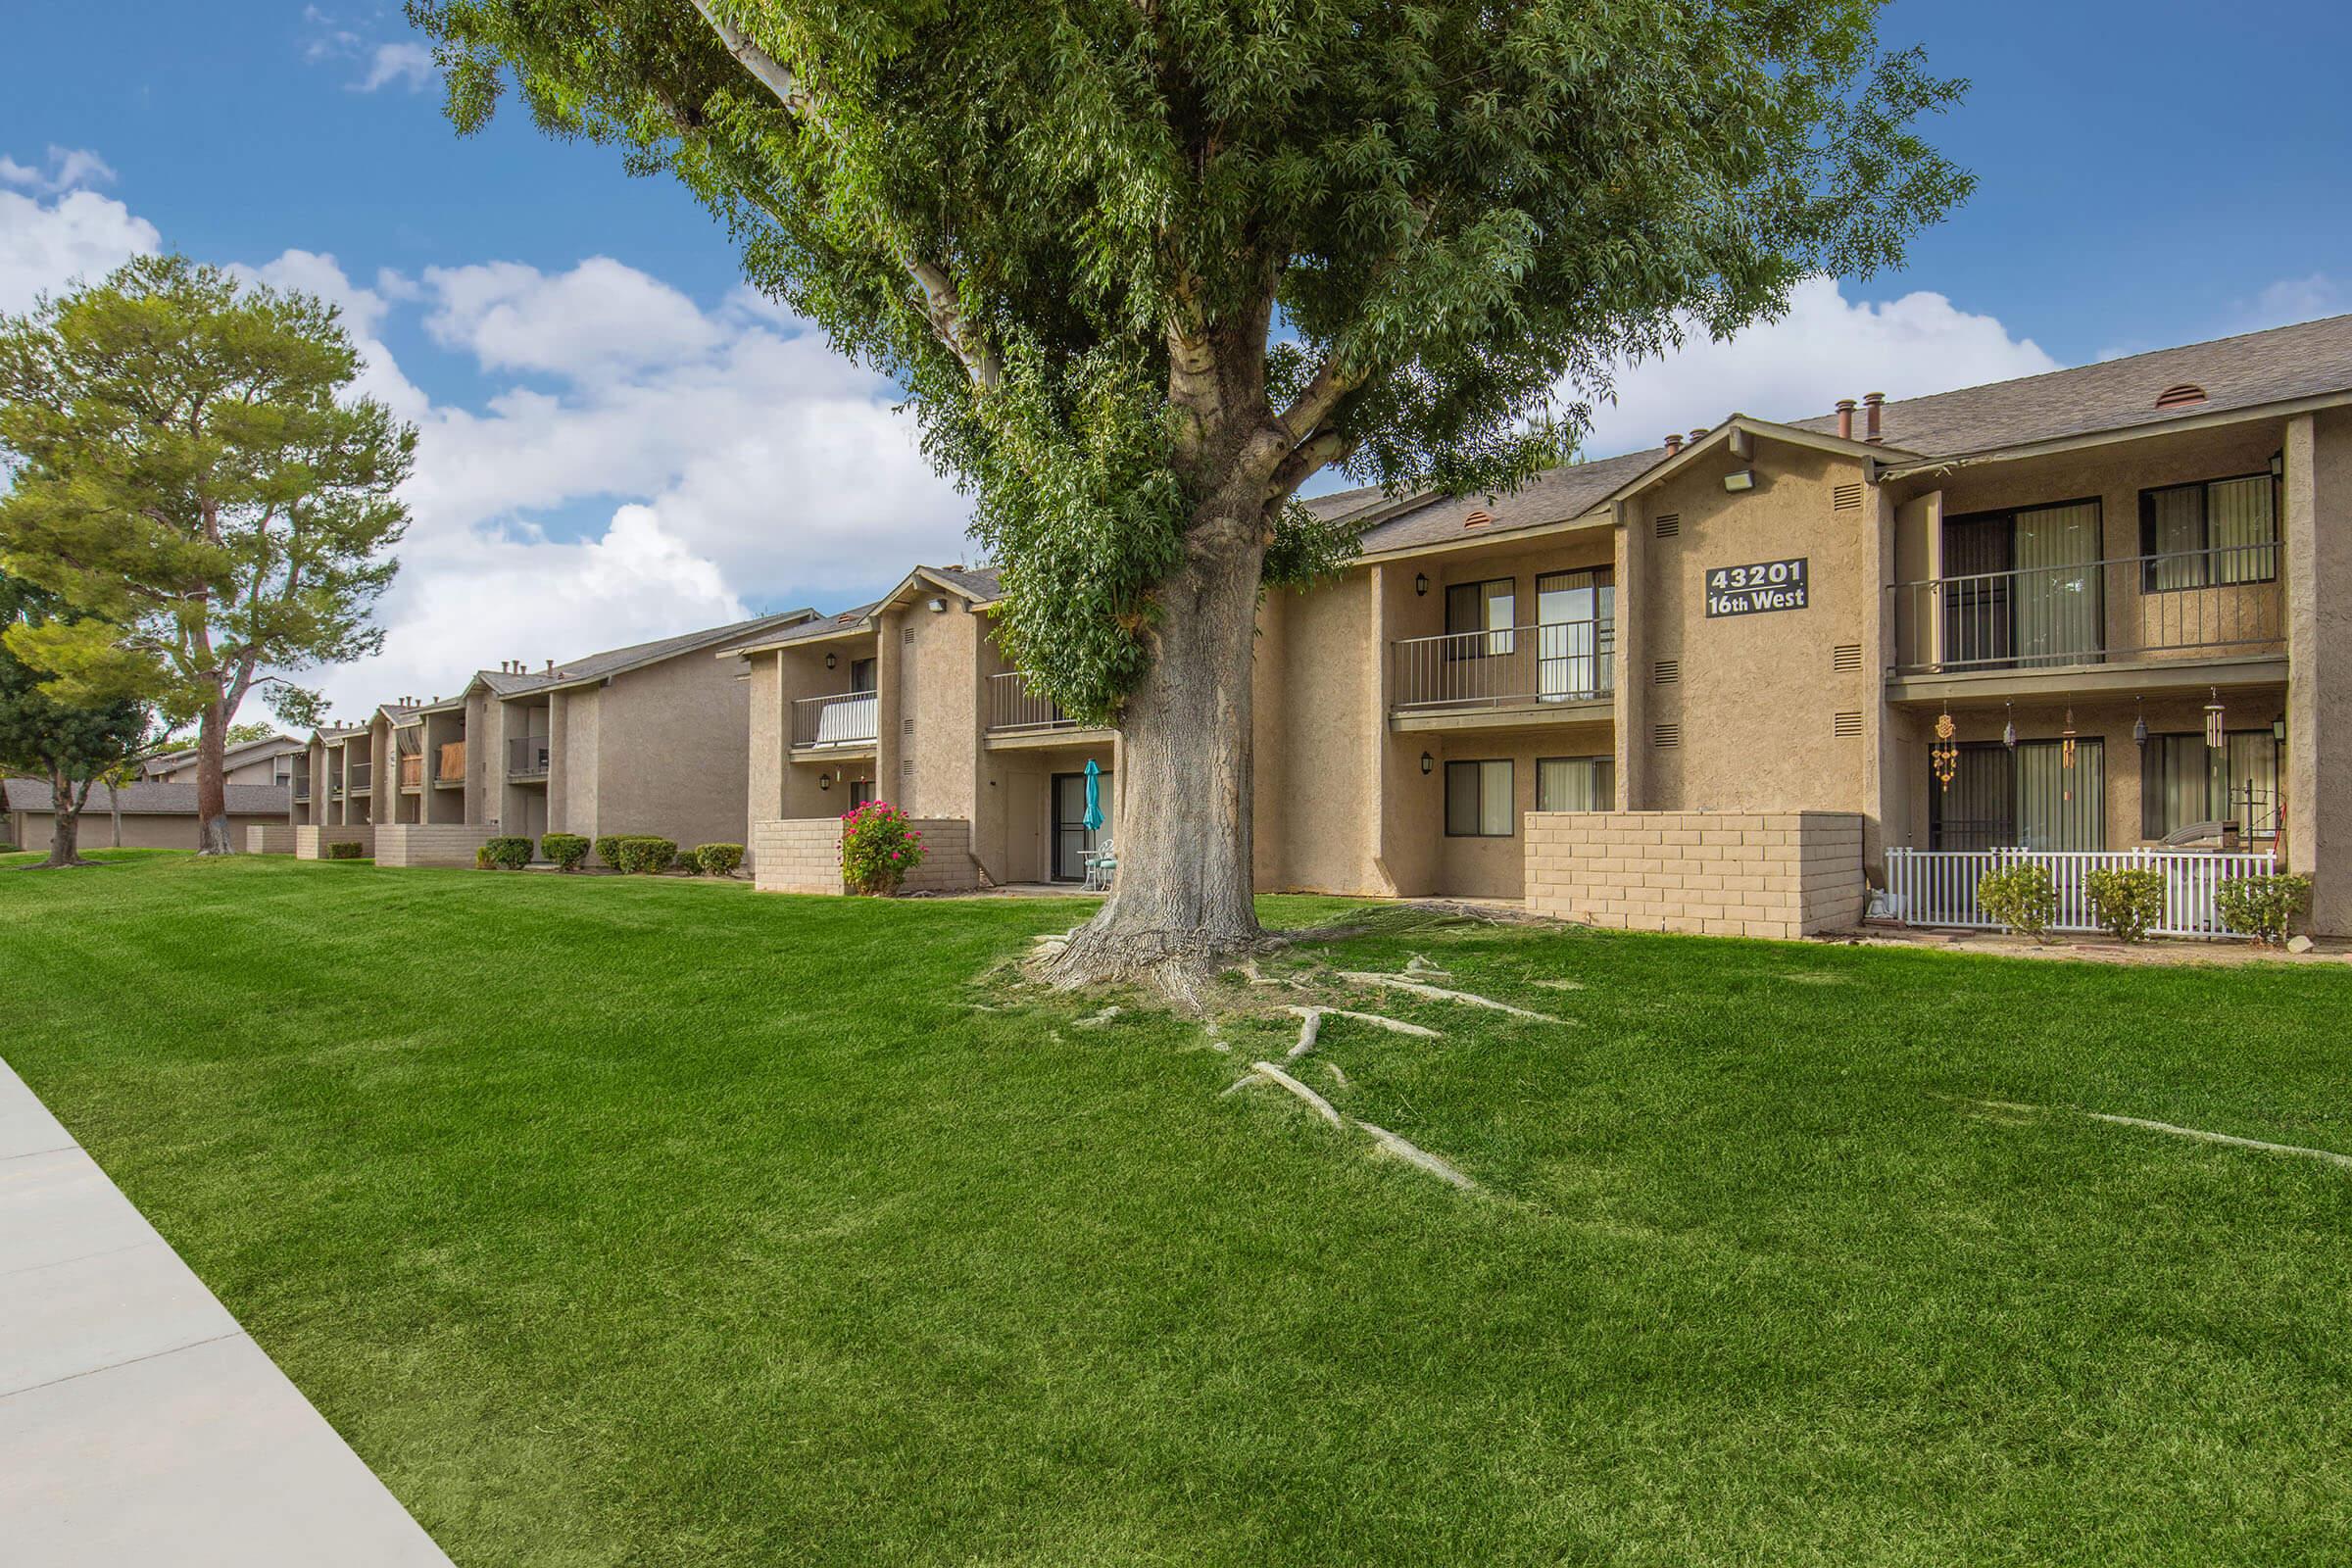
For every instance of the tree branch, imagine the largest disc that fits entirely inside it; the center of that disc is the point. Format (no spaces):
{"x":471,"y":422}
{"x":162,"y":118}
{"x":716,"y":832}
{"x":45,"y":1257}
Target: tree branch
{"x":1319,"y":451}
{"x":942,"y":304}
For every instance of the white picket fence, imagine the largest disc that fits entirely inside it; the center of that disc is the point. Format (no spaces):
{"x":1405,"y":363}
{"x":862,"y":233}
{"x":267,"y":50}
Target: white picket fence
{"x":1938,"y":887}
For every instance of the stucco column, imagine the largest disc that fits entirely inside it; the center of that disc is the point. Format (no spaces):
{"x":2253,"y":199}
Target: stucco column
{"x":558,"y":766}
{"x":890,"y":672}
{"x":1879,"y":780}
{"x":2318,"y":487}
{"x":1629,"y":706}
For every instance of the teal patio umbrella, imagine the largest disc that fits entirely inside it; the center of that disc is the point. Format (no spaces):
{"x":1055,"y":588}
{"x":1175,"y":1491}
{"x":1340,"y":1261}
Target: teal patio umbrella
{"x":1094,"y":797}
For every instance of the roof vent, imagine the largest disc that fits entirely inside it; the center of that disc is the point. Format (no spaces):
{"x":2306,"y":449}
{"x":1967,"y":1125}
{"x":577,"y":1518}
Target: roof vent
{"x":1845,"y":725}
{"x":1845,"y":498}
{"x":1666,"y":736}
{"x":1674,"y":442}
{"x":1669,"y":524}
{"x":2187,"y":395}
{"x":1479,"y":519}
{"x":1667,"y":672}
{"x":1845,"y":658}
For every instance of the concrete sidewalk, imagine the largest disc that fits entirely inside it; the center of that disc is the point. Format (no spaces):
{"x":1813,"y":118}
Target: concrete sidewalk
{"x":138,"y":1424}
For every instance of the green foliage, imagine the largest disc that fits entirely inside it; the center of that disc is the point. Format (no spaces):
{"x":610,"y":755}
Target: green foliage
{"x":1145,"y":270}
{"x":190,"y":472}
{"x":2130,"y":904}
{"x":47,"y":736}
{"x":2264,"y":908}
{"x":644,"y":856}
{"x":345,"y":850}
{"x":2019,"y":896}
{"x":256,"y":730}
{"x":878,"y":848}
{"x":568,"y":850}
{"x":718,"y":860}
{"x":481,"y":858}
{"x":508,"y":853}
{"x":607,"y":849}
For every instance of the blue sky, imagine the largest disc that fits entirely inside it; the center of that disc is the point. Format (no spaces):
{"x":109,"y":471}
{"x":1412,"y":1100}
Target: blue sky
{"x":632,"y":445}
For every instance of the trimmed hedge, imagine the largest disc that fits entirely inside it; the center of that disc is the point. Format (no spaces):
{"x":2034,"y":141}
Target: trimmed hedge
{"x":717,"y":859}
{"x":607,"y":849}
{"x":644,"y":856}
{"x":2264,"y":908}
{"x":2130,"y":904}
{"x":508,"y":853}
{"x":568,"y":850}
{"x":2021,"y":896}
{"x":345,"y":850}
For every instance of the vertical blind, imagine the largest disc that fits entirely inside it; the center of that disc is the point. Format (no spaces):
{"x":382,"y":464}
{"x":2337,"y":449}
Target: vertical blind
{"x":2184,"y":782}
{"x":2057,"y":594}
{"x":1576,"y":784}
{"x":1478,"y":800}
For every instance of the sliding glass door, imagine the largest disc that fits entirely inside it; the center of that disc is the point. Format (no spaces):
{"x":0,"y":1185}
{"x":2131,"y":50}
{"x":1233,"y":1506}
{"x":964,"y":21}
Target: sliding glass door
{"x":1576,"y":634}
{"x":2026,"y":799}
{"x":2023,"y":588}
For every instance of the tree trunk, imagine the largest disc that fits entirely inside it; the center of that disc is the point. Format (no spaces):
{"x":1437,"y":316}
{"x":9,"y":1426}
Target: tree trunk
{"x":212,"y":788}
{"x":114,"y":806}
{"x":1180,"y":906}
{"x":65,"y":818}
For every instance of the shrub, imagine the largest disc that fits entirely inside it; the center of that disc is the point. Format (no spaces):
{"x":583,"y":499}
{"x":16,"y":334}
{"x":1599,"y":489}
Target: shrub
{"x":568,"y":850}
{"x":646,"y":855}
{"x":2129,"y":903}
{"x":608,"y":850}
{"x":2263,"y":908}
{"x":481,"y":857}
{"x":508,"y":853}
{"x":718,"y":860}
{"x":878,"y":848}
{"x":345,"y":849}
{"x":2021,"y":898}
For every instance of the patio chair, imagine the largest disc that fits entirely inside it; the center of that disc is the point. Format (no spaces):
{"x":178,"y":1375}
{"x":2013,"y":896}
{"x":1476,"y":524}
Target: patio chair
{"x":1101,"y":866}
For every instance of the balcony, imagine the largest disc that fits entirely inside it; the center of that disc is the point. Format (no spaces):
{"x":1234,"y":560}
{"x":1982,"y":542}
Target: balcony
{"x":846,"y":721}
{"x":412,"y":770}
{"x":448,"y":769}
{"x":526,"y":756}
{"x":1551,"y":665}
{"x":1014,"y":710}
{"x":302,"y":787}
{"x":361,"y":773}
{"x":2182,"y":609}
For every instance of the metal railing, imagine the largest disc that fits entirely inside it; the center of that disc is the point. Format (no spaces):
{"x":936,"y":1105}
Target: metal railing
{"x":1938,"y":887}
{"x":2041,"y":617}
{"x":450,"y":767}
{"x":1555,"y":662}
{"x":526,"y":756}
{"x":361,"y":774}
{"x":846,"y":718}
{"x":1014,"y":706}
{"x":412,"y":770}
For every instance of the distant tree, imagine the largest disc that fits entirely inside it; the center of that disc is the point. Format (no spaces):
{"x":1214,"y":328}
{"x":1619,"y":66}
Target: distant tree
{"x":73,"y":747}
{"x":191,"y":473}
{"x":1146,"y":267}
{"x":246,"y":734}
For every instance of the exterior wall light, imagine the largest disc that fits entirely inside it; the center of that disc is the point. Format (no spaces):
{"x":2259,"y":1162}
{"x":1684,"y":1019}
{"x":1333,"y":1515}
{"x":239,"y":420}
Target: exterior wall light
{"x":831,"y":659}
{"x":2279,"y":729}
{"x":939,"y":607}
{"x":1420,"y":583}
{"x":1428,"y":762}
{"x":2277,"y":465}
{"x":824,"y":781}
{"x":1739,"y":479}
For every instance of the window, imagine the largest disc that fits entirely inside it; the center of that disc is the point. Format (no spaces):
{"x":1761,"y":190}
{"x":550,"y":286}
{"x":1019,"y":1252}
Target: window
{"x":1576,"y":784}
{"x":2023,"y":588}
{"x":862,"y":792}
{"x":1576,"y":634}
{"x":1479,"y":800}
{"x":2215,"y":533}
{"x":862,"y":674}
{"x":1488,"y":606}
{"x":2183,"y":782}
{"x":2029,"y":797}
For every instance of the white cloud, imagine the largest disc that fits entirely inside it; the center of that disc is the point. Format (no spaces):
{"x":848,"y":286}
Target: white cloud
{"x":2294,"y":299}
{"x":1825,"y":347}
{"x":596,"y":319}
{"x":409,"y":64}
{"x":68,"y":169}
{"x":329,"y":39}
{"x":80,"y":235}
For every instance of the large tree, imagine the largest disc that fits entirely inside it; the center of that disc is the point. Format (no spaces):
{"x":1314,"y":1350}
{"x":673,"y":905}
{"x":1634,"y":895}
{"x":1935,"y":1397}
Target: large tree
{"x":1145,"y":266}
{"x":72,"y":746}
{"x":191,"y":470}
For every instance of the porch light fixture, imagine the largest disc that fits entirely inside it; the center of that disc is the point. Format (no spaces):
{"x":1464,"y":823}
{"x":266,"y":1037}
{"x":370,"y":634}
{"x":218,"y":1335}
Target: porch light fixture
{"x":2140,"y":725}
{"x":824,"y":781}
{"x":830,"y":660}
{"x":1739,"y":479}
{"x":2009,"y":730}
{"x":2277,"y":465}
{"x":1420,"y":583}
{"x":2213,"y":720}
{"x":1945,"y":754}
{"x":1427,"y":762}
{"x":2279,"y":729}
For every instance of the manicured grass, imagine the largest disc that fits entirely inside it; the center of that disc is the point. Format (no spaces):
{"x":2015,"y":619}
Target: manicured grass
{"x":621,"y":1221}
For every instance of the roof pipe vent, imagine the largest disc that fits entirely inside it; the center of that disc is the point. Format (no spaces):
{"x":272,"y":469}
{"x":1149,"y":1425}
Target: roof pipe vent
{"x":1872,"y":402}
{"x":1845,"y":418}
{"x":1696,"y":436}
{"x":1674,"y":444}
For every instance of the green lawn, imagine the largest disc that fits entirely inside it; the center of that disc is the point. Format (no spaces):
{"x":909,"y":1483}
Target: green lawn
{"x":649,"y":1222}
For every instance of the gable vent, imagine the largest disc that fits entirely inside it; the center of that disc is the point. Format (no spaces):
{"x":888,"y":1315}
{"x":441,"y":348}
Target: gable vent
{"x":1846,"y":658}
{"x":1665,"y":736}
{"x":906,"y":767}
{"x":1667,"y":672}
{"x":1670,"y":525}
{"x":2185,"y":395}
{"x":907,"y":637}
{"x":1479,"y":519}
{"x":1846,"y":498}
{"x":906,"y":726}
{"x":1847,"y":725}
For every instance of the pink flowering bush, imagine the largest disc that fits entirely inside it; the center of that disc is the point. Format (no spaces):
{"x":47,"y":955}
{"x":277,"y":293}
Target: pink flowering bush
{"x":878,"y":848}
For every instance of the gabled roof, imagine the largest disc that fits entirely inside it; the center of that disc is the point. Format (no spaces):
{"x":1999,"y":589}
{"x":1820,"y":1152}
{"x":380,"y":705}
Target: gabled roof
{"x":149,"y":798}
{"x":1557,"y":495}
{"x":232,"y":755}
{"x":620,"y":660}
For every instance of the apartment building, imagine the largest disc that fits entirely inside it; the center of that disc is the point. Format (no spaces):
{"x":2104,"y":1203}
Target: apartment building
{"x":2089,"y":610}
{"x":645,"y":739}
{"x":266,"y":762}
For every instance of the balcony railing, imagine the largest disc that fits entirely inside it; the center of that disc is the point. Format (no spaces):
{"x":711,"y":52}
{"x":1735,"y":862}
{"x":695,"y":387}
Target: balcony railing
{"x":2043,"y":617}
{"x":1556,"y":662}
{"x":412,"y":770}
{"x":451,"y":767}
{"x":360,"y":775}
{"x":526,"y":756}
{"x":302,"y":788}
{"x":848,"y":719}
{"x":1012,"y":708}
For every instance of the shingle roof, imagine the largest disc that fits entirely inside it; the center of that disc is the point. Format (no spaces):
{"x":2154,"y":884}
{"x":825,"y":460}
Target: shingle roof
{"x":150,"y":799}
{"x":1341,"y":502}
{"x":619,"y":660}
{"x":979,"y":584}
{"x":1555,"y":496}
{"x":2281,"y":365}
{"x":186,"y":755}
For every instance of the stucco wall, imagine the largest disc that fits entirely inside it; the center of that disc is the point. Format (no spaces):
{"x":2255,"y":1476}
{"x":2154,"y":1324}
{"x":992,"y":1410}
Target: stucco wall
{"x":35,"y":829}
{"x":410,"y":845}
{"x":670,"y":743}
{"x":1318,"y":695}
{"x":803,"y":855}
{"x":1756,"y":874}
{"x":2318,"y":611}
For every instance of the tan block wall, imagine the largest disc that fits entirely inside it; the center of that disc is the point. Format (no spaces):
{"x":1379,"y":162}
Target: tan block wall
{"x":1725,"y":873}
{"x":434,"y":843}
{"x":803,"y":855}
{"x":276,"y":839}
{"x":309,"y":843}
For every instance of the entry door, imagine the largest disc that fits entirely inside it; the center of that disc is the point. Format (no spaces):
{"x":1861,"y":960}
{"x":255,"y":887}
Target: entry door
{"x":1071,"y":840}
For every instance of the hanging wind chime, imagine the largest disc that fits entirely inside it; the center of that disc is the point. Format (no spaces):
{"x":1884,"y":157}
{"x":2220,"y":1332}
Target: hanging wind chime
{"x":2066,"y":756}
{"x":1947,"y":754}
{"x":2213,"y":719}
{"x":2139,"y":724}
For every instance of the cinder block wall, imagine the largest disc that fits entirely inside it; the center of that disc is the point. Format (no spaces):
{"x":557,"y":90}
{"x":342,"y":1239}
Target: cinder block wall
{"x":310,"y":842}
{"x":803,"y":855}
{"x":428,"y":843}
{"x":270,"y":840}
{"x":1725,"y":874}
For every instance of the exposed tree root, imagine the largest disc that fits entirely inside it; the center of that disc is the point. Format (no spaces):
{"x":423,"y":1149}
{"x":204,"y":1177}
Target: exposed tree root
{"x":1399,"y":982}
{"x":1310,"y":1024}
{"x":1393,"y":1025}
{"x":1420,"y":969}
{"x":1414,"y":1154}
{"x":1337,"y":1076}
{"x":2229,"y":1140}
{"x":1321,"y":1106}
{"x":1097,"y":1020}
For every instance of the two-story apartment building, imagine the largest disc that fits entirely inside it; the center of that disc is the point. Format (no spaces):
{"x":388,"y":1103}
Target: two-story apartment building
{"x":263,"y":763}
{"x":2123,"y":584}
